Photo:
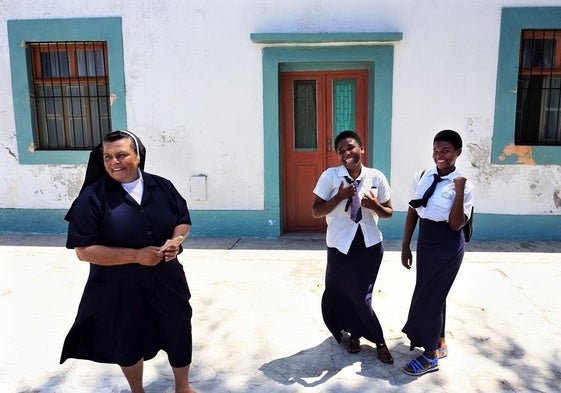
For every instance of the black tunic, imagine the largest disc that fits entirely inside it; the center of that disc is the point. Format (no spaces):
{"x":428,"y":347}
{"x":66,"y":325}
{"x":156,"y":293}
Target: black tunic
{"x":130,"y":312}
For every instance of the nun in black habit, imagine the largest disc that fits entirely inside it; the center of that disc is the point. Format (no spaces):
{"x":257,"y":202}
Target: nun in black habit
{"x":136,"y":298}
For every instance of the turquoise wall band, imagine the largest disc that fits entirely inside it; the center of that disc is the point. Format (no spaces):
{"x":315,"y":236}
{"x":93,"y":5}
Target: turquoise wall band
{"x":214,"y":223}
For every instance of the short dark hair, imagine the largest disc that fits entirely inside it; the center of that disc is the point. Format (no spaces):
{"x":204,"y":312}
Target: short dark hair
{"x":347,"y":134}
{"x":449,"y":136}
{"x":122,"y":134}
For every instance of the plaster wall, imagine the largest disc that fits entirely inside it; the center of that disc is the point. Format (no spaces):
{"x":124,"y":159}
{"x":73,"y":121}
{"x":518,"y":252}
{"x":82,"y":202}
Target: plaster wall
{"x":194,"y":95}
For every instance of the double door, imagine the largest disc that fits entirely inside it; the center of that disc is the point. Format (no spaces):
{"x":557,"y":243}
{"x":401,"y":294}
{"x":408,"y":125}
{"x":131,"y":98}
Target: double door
{"x":315,"y":106}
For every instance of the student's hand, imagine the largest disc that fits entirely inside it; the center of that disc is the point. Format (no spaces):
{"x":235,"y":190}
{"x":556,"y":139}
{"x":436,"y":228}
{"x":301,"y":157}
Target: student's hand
{"x":459,"y":183}
{"x":406,"y":257}
{"x":345,"y":192}
{"x":369,"y":200}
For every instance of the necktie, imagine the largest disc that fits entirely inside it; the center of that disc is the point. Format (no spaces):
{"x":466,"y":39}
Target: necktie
{"x":415,"y":203}
{"x":354,"y":201}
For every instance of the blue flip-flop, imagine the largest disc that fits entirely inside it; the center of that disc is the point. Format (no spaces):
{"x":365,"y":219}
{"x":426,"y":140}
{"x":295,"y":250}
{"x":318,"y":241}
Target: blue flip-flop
{"x":419,"y":368}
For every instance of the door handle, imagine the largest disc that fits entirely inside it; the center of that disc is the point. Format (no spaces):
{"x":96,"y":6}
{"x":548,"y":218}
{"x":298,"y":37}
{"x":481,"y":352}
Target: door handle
{"x":328,"y":145}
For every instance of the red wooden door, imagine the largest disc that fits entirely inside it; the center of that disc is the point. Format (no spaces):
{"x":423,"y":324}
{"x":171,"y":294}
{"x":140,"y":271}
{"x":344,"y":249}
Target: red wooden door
{"x":315,"y":106}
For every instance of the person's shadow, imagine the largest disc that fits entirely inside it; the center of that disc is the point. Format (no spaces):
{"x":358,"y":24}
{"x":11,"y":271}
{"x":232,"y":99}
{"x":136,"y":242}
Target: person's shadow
{"x":312,"y":366}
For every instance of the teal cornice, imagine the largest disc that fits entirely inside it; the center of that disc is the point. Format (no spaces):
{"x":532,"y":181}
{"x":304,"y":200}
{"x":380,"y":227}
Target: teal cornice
{"x":317,"y":38}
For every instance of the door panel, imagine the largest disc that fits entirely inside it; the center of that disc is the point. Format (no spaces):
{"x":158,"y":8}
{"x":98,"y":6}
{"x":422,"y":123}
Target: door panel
{"x":315,"y":106}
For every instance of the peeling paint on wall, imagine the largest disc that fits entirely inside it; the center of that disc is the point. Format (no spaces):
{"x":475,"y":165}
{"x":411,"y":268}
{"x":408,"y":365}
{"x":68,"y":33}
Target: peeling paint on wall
{"x":524,"y":154}
{"x":479,"y":157}
{"x":557,"y":199}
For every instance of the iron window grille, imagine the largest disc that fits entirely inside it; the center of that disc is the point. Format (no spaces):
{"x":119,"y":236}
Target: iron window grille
{"x":538,"y":107}
{"x":70,"y":98}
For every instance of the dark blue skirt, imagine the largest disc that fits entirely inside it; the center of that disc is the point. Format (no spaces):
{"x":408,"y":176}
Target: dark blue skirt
{"x":440,"y":252}
{"x":130,"y":312}
{"x":346,"y":303}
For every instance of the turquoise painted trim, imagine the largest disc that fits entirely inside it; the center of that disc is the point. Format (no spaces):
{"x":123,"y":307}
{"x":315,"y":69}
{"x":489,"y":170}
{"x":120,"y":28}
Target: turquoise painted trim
{"x":212,"y":223}
{"x":86,"y":29}
{"x":206,"y":223}
{"x":513,"y":21}
{"x":380,"y":61}
{"x":286,"y":67}
{"x":316,"y":38}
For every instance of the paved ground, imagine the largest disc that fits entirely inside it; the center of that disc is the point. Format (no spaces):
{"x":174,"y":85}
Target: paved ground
{"x":257,"y":323}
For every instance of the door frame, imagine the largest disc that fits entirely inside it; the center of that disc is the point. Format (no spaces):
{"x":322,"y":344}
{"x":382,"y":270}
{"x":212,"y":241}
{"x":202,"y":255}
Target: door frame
{"x":293,"y":208}
{"x":379,"y":61}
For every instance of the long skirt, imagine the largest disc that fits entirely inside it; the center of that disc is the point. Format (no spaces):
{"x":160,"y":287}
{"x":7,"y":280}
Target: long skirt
{"x":130,"y":312}
{"x":347,"y":300}
{"x":440,"y":252}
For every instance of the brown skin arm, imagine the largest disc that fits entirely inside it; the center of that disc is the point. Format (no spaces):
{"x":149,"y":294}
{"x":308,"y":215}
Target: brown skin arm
{"x":322,"y":208}
{"x":457,"y":218}
{"x":408,"y":229}
{"x":113,"y":256}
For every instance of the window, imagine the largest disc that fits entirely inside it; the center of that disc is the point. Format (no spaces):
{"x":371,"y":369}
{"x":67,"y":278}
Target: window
{"x":76,"y":77}
{"x":70,"y":94}
{"x":538,"y":108}
{"x":507,"y":149}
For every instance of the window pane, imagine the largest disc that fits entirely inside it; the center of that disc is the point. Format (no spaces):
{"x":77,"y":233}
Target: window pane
{"x":538,"y":53}
{"x":90,"y":62}
{"x":549,"y":124}
{"x":305,"y":115}
{"x":539,"y":85}
{"x":344,"y":105}
{"x":55,"y":64}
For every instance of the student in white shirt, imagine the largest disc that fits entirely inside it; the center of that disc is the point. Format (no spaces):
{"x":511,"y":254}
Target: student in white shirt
{"x":354,"y":243}
{"x":440,"y":249}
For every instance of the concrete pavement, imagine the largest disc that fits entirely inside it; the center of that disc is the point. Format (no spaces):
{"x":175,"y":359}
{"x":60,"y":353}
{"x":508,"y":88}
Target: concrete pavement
{"x":257,"y":324}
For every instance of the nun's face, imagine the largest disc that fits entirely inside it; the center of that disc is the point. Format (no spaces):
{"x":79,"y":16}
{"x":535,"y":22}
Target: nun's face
{"x":120,"y":160}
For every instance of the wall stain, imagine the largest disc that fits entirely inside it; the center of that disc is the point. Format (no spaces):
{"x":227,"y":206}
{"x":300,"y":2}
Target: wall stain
{"x":557,"y":199}
{"x":524,"y":154}
{"x":479,"y":158}
{"x":10,"y":152}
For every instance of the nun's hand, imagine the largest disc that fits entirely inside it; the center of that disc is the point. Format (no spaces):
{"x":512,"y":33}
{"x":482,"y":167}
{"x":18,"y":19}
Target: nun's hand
{"x":149,"y":256}
{"x":170,"y":253}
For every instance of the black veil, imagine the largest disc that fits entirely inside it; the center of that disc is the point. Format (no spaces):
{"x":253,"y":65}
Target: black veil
{"x":96,"y":170}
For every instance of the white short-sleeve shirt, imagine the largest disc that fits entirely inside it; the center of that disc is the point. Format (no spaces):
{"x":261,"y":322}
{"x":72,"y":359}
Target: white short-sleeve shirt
{"x":341,"y":230}
{"x":440,"y":203}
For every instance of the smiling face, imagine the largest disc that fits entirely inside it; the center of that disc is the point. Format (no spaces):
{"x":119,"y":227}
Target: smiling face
{"x":350,"y":155}
{"x":444,"y":155}
{"x":120,"y":160}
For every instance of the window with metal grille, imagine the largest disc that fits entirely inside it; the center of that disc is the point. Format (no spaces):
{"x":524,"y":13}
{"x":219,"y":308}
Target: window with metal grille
{"x":70,"y":96}
{"x":538,"y":107}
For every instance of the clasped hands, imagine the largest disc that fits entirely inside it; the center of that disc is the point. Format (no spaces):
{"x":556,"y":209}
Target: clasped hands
{"x":151,"y":256}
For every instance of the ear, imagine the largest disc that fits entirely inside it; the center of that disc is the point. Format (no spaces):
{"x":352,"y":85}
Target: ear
{"x":459,"y":151}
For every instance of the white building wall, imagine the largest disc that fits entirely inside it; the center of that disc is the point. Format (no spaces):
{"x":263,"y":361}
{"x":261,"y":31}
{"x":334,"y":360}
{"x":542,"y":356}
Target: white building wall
{"x":194,"y":94}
